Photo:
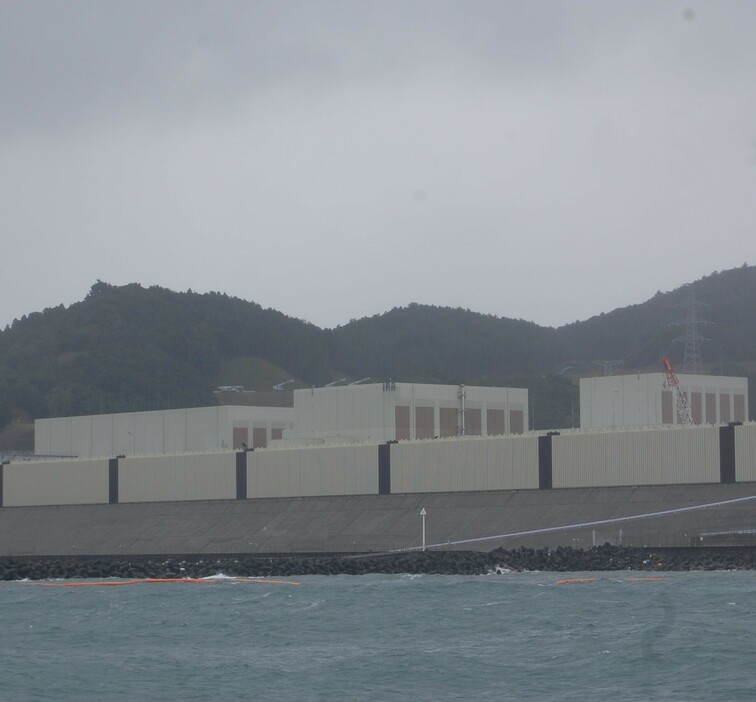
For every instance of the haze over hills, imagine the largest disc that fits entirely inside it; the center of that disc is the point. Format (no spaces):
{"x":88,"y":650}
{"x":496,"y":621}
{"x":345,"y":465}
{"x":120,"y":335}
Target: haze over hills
{"x":133,"y":348}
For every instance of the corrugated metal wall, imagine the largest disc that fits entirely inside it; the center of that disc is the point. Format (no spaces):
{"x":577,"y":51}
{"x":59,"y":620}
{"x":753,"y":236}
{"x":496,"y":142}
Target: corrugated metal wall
{"x":610,"y":458}
{"x":745,"y":453}
{"x":202,"y":476}
{"x":312,"y":472}
{"x":491,"y":463}
{"x":55,"y":483}
{"x":645,"y":457}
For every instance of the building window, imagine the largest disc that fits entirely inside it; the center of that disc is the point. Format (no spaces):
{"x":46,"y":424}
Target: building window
{"x":240,"y":437}
{"x":724,"y":407}
{"x":667,"y":407}
{"x":402,"y":422}
{"x":495,"y":422}
{"x":739,"y":401}
{"x":472,"y":422}
{"x":447,"y":417}
{"x":516,"y":421}
{"x":424,"y":423}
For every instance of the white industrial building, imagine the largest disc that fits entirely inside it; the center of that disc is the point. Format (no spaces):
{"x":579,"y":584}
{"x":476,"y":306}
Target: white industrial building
{"x":162,"y":431}
{"x":391,"y":411}
{"x":644,"y":400}
{"x":377,"y":412}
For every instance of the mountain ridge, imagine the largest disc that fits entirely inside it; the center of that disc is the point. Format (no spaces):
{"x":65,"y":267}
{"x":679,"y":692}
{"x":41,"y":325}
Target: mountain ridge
{"x":128,"y":347}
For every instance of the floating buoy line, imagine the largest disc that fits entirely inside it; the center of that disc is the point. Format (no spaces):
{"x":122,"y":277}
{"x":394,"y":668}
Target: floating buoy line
{"x":164,"y":581}
{"x":580,"y":581}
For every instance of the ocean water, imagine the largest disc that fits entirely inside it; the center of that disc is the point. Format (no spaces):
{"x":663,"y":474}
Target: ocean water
{"x":518,"y":636}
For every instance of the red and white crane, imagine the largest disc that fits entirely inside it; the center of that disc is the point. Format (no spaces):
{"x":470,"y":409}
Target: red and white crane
{"x":684,"y":412}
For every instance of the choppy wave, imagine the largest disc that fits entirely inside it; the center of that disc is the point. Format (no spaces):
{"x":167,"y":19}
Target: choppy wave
{"x":517,"y":636}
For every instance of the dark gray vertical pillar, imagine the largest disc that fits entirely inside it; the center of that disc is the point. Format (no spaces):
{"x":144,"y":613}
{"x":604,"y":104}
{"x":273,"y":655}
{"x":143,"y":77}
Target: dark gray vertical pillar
{"x":241,"y":475}
{"x":113,"y":481}
{"x":727,"y":453}
{"x":384,"y":468}
{"x":544,"y":461}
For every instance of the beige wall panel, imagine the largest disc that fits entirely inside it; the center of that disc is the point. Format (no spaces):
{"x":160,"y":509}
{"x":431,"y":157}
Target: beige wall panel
{"x":102,"y":435}
{"x":124,"y":433}
{"x":268,"y":472}
{"x":200,"y":476}
{"x":745,"y":453}
{"x":61,"y":437}
{"x":149,"y":431}
{"x":175,"y":427}
{"x":500,"y":463}
{"x":203,"y":426}
{"x":342,"y":411}
{"x":55,"y":483}
{"x":313,"y":472}
{"x":81,"y":437}
{"x":650,"y":457}
{"x":43,"y":437}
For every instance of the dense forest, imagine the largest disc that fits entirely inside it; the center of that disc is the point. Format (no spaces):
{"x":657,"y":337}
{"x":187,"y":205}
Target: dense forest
{"x":127,"y":348}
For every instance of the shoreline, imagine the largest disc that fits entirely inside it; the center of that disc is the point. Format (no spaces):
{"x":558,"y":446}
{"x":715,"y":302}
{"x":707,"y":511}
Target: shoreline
{"x":562,"y":559}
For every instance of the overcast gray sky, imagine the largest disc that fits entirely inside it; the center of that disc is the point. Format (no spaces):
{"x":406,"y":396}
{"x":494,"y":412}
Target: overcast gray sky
{"x":332,"y":160}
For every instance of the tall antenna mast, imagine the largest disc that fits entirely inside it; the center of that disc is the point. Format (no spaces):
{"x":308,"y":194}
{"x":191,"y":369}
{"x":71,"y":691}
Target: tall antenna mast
{"x":691,"y":339}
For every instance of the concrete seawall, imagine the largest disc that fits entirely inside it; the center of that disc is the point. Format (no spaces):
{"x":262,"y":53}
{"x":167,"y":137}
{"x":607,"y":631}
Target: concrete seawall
{"x":380,"y":522}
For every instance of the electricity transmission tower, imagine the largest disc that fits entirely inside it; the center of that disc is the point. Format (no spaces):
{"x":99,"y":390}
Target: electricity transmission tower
{"x":609,"y":366}
{"x":691,"y":338}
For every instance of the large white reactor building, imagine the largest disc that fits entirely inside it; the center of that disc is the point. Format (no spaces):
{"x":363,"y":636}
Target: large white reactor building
{"x":644,"y":400}
{"x":406,"y":411}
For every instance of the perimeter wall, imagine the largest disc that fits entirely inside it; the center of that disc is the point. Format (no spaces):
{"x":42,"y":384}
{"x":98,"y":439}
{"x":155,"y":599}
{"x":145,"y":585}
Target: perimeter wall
{"x":580,"y":459}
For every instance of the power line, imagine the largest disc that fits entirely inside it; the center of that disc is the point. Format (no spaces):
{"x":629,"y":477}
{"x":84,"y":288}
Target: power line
{"x":609,"y":366}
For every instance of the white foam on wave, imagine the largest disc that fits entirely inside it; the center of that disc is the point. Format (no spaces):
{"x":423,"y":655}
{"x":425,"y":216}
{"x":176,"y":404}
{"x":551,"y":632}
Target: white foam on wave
{"x":312,"y":605}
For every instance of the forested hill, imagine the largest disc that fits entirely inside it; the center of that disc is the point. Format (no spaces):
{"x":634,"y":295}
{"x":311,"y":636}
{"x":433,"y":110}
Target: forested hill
{"x":129,"y":348}
{"x":126,"y":348}
{"x":641,"y":334}
{"x":461,"y":346}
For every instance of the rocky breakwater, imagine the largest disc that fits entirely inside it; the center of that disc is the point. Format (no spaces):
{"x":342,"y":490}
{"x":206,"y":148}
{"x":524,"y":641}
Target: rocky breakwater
{"x":600,"y":558}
